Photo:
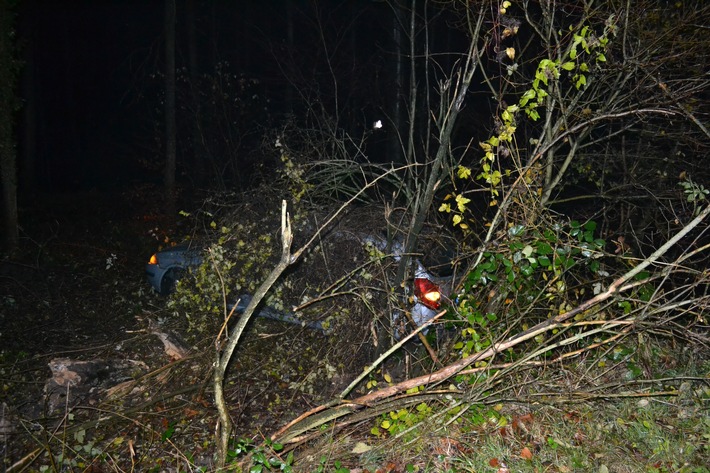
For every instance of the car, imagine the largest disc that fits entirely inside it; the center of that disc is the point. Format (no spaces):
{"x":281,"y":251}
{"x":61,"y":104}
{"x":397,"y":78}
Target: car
{"x":167,"y":266}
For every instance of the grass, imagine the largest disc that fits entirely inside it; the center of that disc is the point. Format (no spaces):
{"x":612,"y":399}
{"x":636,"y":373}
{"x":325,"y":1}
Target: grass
{"x":658,"y":425}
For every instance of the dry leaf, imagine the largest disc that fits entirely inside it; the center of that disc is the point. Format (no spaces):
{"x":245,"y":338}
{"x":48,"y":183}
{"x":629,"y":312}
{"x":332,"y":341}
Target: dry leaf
{"x":526,"y":454}
{"x":361,"y":447}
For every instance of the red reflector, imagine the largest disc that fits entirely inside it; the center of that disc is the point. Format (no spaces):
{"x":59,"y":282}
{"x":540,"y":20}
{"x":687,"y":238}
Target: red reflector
{"x":427,"y":292}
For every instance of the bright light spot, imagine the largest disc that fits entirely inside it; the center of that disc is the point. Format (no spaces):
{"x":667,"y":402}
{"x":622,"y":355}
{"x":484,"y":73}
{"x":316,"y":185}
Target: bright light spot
{"x":377,"y":125}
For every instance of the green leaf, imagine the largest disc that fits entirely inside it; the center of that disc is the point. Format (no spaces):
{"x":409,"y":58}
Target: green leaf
{"x":527,"y":96}
{"x":568,"y":66}
{"x":526,"y":270}
{"x":168,"y":432}
{"x":516,"y":230}
{"x":543,"y":248}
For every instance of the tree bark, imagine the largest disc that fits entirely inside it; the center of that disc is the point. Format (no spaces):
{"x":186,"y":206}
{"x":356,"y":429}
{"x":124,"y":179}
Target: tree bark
{"x":395,"y":152}
{"x":8,"y":151}
{"x":170,"y":121}
{"x":198,"y":144}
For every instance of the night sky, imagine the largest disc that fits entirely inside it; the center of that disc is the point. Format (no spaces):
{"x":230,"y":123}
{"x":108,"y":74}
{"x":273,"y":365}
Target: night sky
{"x":92,"y":82}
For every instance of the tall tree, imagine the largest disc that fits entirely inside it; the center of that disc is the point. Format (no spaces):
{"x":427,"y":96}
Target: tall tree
{"x":170,"y":121}
{"x":8,"y":105}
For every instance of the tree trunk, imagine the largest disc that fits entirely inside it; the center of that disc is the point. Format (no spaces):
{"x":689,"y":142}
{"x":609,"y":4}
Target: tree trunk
{"x":198,"y":143}
{"x":8,"y":153}
{"x":395,"y":153}
{"x":28,"y":87}
{"x":170,"y":122}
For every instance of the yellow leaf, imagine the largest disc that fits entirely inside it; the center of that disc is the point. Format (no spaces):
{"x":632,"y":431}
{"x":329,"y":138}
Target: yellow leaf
{"x":463,"y":172}
{"x":510,"y":52}
{"x":386,"y":424}
{"x":457,"y":219}
{"x":388,"y":378}
{"x":445,"y":208}
{"x":461,"y":202}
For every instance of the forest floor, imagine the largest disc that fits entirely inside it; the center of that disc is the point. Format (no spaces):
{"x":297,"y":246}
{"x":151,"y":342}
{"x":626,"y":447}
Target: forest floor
{"x":77,"y":293}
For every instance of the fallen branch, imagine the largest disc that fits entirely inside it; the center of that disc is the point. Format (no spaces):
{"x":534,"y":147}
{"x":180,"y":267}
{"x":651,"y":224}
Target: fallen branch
{"x":223,"y":357}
